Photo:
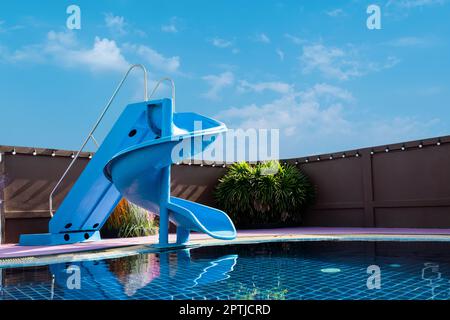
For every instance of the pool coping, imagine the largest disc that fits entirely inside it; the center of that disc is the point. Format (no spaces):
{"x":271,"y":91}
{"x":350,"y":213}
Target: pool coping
{"x":15,"y":256}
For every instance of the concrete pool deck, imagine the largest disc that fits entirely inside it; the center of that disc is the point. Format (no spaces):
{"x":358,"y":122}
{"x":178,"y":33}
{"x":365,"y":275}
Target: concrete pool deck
{"x":9,"y":252}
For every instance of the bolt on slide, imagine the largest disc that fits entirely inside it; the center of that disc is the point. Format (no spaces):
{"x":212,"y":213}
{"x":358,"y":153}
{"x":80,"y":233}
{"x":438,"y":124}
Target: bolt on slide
{"x":134,"y":162}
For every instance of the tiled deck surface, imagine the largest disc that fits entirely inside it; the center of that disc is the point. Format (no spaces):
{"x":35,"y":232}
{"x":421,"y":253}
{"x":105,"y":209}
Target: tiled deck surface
{"x":15,"y":251}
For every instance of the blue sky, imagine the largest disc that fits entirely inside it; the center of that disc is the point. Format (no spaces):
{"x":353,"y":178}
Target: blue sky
{"x":309,"y":68}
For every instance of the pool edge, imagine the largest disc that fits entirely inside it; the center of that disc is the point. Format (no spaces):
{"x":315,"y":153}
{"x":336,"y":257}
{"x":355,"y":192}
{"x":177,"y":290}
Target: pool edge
{"x":133,"y":249}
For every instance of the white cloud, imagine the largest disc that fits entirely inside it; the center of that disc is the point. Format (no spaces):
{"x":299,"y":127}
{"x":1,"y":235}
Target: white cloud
{"x":330,"y":61}
{"x":335,"y":12}
{"x":280,"y":54}
{"x":221,"y":43}
{"x":430,"y":90}
{"x":279,"y":87}
{"x":397,"y":129}
{"x":321,"y":90}
{"x":410,"y":4}
{"x":62,"y":48}
{"x":217,"y":83}
{"x":170,"y":27}
{"x":319,"y":119}
{"x":263,"y":38}
{"x":408,"y":42}
{"x":338,"y":63}
{"x":224,"y":44}
{"x":40,"y":53}
{"x":156,"y":59}
{"x":390,"y":62}
{"x":28,"y":53}
{"x":104,"y":55}
{"x":116,"y":24}
{"x":6,"y":29}
{"x":294,"y":39}
{"x":60,"y":39}
{"x":316,"y":110}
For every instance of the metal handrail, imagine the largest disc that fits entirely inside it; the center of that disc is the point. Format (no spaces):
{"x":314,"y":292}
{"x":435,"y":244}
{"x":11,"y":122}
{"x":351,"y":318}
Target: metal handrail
{"x":90,"y":136}
{"x":173,"y":89}
{"x":95,"y":141}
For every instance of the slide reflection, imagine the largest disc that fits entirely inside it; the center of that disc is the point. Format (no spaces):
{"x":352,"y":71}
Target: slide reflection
{"x":168,"y":272}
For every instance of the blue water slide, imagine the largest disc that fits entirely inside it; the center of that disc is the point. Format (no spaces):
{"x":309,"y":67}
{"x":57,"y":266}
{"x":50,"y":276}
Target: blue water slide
{"x":134,"y":162}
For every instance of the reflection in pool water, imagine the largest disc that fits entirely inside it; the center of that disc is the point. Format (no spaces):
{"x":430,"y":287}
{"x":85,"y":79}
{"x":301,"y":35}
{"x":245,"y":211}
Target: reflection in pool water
{"x":115,"y":277}
{"x":283,"y":270}
{"x":135,"y":273}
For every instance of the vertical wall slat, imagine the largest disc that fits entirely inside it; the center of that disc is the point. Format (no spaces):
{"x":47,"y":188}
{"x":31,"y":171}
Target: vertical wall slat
{"x":369,"y":214}
{"x":2,"y":202}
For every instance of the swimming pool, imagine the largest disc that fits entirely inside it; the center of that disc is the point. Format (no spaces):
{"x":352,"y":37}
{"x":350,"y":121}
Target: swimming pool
{"x":299,"y":270}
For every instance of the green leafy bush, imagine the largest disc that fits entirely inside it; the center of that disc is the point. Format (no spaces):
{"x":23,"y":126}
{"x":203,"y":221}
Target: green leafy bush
{"x":129,"y":220}
{"x":264,"y":193}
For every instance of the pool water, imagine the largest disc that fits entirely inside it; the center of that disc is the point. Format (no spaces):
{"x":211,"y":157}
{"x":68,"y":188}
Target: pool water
{"x":281,"y":270}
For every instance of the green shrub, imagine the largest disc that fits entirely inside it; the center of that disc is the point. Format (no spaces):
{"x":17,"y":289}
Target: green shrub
{"x":129,"y":220}
{"x":264,"y":193}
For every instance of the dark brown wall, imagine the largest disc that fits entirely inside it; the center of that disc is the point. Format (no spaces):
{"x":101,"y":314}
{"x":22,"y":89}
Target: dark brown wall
{"x":28,"y":182}
{"x":339,"y":192}
{"x":409,"y":188}
{"x":196,"y":183}
{"x":399,"y":188}
{"x":2,"y":204}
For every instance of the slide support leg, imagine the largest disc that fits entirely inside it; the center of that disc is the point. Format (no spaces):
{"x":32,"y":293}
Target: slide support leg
{"x":163,"y":226}
{"x":182,"y":235}
{"x":164,"y":212}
